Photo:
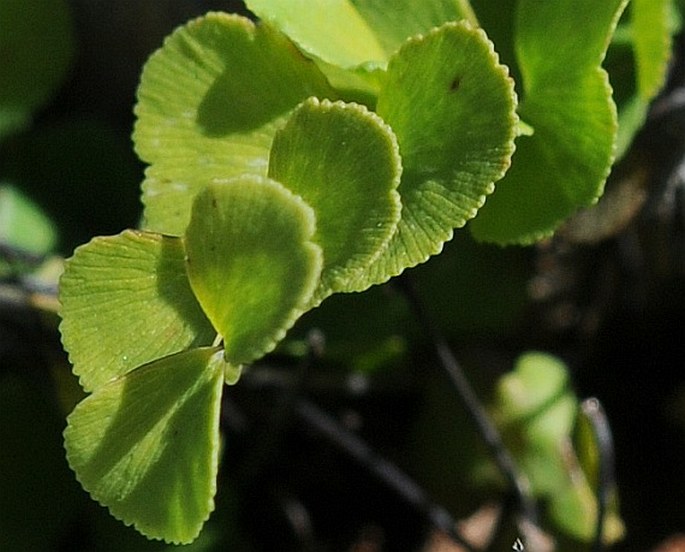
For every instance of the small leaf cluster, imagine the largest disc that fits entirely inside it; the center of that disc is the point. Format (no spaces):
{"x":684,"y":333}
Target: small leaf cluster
{"x":261,"y":201}
{"x":314,"y":152}
{"x":554,"y":444}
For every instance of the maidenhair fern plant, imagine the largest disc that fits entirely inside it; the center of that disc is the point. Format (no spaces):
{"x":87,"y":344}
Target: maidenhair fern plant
{"x":324,"y":149}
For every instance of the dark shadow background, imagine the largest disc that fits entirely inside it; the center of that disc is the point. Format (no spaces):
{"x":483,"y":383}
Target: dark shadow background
{"x":613,"y":310}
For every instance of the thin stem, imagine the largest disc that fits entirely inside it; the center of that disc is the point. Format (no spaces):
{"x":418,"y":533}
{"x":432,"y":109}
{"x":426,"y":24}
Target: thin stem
{"x":594,"y":412}
{"x":479,"y":416}
{"x":380,"y":467}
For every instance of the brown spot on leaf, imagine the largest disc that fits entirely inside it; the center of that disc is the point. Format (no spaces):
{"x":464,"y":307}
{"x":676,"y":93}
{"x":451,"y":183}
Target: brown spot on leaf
{"x":454,"y":85}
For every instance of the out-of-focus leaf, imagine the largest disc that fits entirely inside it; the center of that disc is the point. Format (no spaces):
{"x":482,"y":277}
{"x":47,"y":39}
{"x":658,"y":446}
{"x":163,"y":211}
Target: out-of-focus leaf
{"x":23,"y":225}
{"x":537,"y":412}
{"x":637,"y":62}
{"x":651,"y":22}
{"x":36,"y":41}
{"x":574,"y":510}
{"x":536,"y":409}
{"x":576,"y":507}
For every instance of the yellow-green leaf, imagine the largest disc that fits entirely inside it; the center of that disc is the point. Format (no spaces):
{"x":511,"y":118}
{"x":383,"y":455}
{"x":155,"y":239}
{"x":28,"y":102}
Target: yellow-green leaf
{"x":126,"y":301}
{"x":209,"y":103}
{"x":344,"y":162}
{"x":251,"y":261}
{"x":146,"y":445}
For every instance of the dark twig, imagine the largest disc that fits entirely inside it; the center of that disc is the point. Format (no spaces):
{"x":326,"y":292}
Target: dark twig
{"x":595,"y":414}
{"x":381,"y":468}
{"x":479,"y":416}
{"x":322,"y":423}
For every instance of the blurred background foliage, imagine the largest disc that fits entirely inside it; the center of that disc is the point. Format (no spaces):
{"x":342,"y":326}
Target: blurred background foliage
{"x":606,"y":298}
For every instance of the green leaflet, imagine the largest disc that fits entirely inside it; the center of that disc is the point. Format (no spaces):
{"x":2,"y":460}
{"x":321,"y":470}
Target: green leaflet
{"x":651,"y":26}
{"x":350,"y":33}
{"x":126,"y":301}
{"x":394,"y":21}
{"x":567,"y":101}
{"x":333,"y":31}
{"x":344,"y":162}
{"x":36,"y":42}
{"x":284,"y":197}
{"x":352,"y":40}
{"x":209,"y":103}
{"x":455,"y":127}
{"x":643,"y":44}
{"x":146,"y":444}
{"x":451,"y":106}
{"x":251,"y":262}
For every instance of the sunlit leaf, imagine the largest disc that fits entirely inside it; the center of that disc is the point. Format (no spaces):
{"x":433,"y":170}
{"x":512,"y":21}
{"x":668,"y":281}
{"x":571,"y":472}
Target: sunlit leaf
{"x":352,"y":40}
{"x":251,"y":262}
{"x":349,"y":33}
{"x":209,"y":103}
{"x":394,"y":21}
{"x":126,"y":301}
{"x":567,"y":100}
{"x":146,"y":444}
{"x":333,"y":31}
{"x":455,"y":126}
{"x":344,"y":162}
